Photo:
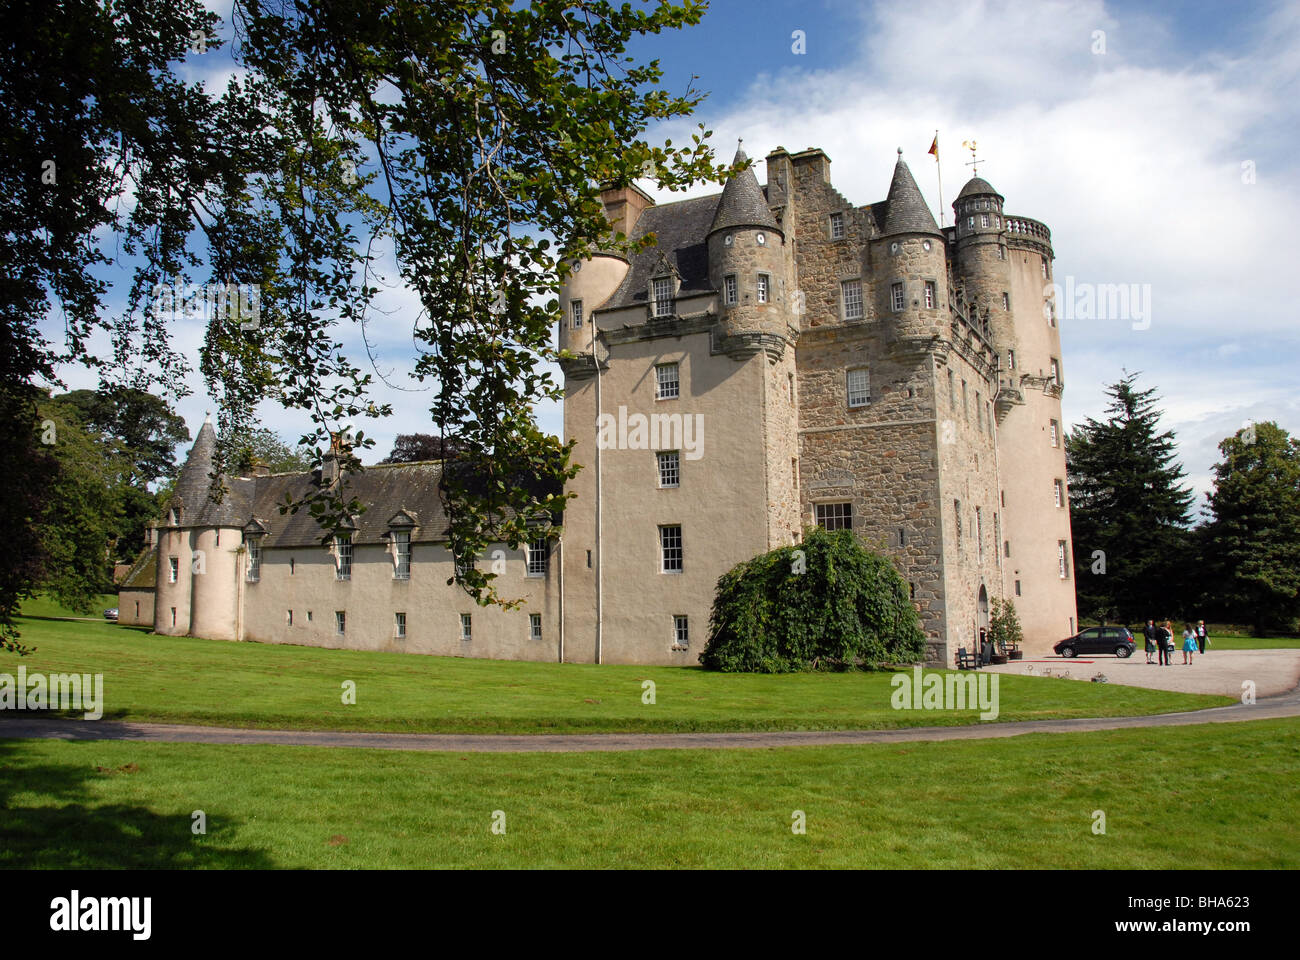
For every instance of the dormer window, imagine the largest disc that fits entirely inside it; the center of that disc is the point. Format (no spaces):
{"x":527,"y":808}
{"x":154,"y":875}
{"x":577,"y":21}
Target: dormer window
{"x":400,"y":526}
{"x":174,"y":516}
{"x":665,"y":303}
{"x":253,"y":532}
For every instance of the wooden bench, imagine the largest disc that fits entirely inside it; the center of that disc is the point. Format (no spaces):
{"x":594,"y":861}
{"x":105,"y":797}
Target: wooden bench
{"x":967,"y":661}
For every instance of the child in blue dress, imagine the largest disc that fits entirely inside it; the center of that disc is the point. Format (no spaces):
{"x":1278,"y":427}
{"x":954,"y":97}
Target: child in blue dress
{"x":1189,"y":643}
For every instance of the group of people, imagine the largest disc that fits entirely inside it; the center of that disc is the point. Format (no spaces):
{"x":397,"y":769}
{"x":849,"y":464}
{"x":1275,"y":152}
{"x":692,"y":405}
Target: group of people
{"x":1160,"y":640}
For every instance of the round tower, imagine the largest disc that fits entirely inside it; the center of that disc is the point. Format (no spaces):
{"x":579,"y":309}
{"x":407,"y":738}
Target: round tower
{"x":909,"y":262}
{"x":982,"y":267}
{"x":747,"y":265}
{"x":593,"y":281}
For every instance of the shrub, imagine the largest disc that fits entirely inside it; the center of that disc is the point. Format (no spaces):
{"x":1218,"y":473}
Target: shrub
{"x":1004,"y":624}
{"x":826,"y":603}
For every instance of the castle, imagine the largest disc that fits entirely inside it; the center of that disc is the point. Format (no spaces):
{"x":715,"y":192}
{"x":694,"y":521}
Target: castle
{"x":778,"y":358}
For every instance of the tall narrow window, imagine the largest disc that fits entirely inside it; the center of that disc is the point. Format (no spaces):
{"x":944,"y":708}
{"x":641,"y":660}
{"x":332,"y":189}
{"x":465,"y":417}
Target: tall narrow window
{"x":538,"y":550}
{"x":667,"y":382}
{"x":858,"y":389}
{"x":1006,"y":301}
{"x":984,"y":220}
{"x":896,"y":295}
{"x":288,"y":618}
{"x":173,"y":569}
{"x":340,"y":622}
{"x":399,"y":626}
{"x":1044,"y":268}
{"x":956,"y":512}
{"x":670,"y":549}
{"x":979,"y":412}
{"x":343,"y":546}
{"x":1011,"y":359}
{"x":837,"y":226}
{"x":254,"y":561}
{"x":763,"y":282}
{"x":851,"y":296}
{"x":965,"y":406}
{"x":466,"y":626}
{"x":1054,"y":431}
{"x":1056,"y":371}
{"x":1002,"y":252}
{"x":401,"y":555}
{"x":929,"y":295}
{"x":681,"y":630}
{"x":952,"y":389}
{"x":1058,"y":492}
{"x":835,"y":516}
{"x":1017,"y":588}
{"x":979,"y":535}
{"x":575,"y":311}
{"x":534,"y":626}
{"x":1062,"y":559}
{"x":669,"y":468}
{"x":665,"y":305}
{"x":729,"y":290}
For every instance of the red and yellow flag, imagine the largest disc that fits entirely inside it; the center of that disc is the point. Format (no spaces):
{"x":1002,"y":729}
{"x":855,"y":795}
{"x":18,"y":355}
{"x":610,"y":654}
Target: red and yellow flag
{"x":934,"y":147}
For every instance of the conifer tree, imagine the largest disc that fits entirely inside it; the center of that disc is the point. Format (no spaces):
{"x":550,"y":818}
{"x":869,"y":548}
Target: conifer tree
{"x":1127,"y":500}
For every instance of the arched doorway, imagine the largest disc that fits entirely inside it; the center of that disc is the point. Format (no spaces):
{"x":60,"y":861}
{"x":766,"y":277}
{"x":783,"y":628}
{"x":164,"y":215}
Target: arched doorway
{"x":982,"y":620}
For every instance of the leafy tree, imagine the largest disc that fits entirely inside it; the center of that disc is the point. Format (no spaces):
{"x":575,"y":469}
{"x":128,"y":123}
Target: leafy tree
{"x":411,"y":447}
{"x":471,"y":138}
{"x":1127,"y":500}
{"x":141,"y":428}
{"x":826,"y":602}
{"x":262,"y":446}
{"x":1254,"y":533}
{"x":30,"y":471}
{"x":1004,"y":623}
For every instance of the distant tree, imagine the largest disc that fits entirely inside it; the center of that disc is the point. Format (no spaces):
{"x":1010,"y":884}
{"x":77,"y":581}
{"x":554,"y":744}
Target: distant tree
{"x":1127,"y":500}
{"x":260,"y":445}
{"x":1254,"y":534}
{"x":29,"y":472}
{"x":825,"y":603}
{"x":141,"y":427}
{"x":410,"y":447}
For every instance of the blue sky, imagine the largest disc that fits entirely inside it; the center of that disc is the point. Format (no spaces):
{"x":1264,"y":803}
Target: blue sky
{"x":1135,"y":154}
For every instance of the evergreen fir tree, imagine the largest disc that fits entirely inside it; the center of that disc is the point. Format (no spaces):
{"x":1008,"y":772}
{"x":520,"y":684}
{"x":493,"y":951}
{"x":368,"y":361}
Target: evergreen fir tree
{"x":1127,"y":501}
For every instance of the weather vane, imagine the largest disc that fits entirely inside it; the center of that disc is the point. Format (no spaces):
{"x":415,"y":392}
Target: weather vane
{"x":973,"y":161}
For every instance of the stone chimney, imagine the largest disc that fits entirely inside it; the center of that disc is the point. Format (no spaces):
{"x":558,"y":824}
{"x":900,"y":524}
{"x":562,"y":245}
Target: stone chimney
{"x":623,"y":205}
{"x":333,"y":462}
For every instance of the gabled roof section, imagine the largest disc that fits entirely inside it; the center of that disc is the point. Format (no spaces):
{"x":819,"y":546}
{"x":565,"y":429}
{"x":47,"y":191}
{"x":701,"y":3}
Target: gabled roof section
{"x":681,"y":230}
{"x":904,"y":210}
{"x":743,"y":203}
{"x":143,"y":574}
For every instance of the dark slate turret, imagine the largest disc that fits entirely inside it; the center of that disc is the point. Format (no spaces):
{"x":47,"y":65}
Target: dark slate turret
{"x":193,"y":493}
{"x":977,"y":187}
{"x":742,"y":203}
{"x":905,"y":209}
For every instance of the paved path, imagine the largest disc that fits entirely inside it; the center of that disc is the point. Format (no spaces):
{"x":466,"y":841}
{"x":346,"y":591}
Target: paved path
{"x":51,"y":728}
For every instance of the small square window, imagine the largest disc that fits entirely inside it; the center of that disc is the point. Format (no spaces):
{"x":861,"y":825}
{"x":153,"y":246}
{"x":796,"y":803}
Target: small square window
{"x":851,"y":296}
{"x":535,"y":626}
{"x":669,"y":468}
{"x":835,"y":516}
{"x":667,"y":382}
{"x":857,"y":387}
{"x":837,"y":226}
{"x":399,"y":626}
{"x":896,"y":295}
{"x":575,"y":313}
{"x":670,"y":549}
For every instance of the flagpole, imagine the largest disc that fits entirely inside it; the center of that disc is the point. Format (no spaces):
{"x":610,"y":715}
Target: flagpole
{"x":939,"y":170}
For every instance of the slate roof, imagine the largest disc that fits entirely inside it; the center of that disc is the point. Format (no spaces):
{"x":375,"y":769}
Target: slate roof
{"x":976,"y":187}
{"x":743,"y":202}
{"x":904,"y":210}
{"x":144,"y":572}
{"x":682,"y":232}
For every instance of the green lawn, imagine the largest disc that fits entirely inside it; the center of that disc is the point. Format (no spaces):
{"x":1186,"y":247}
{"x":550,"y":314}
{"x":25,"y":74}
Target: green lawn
{"x":1220,"y":796}
{"x":1251,"y":643}
{"x":46,"y":607}
{"x":177,"y":679}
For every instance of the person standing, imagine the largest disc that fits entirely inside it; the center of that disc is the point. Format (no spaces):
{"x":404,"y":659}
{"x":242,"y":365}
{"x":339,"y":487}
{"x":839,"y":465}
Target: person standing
{"x":1202,"y":636}
{"x":1189,"y":643}
{"x":1167,"y":644}
{"x":1150,"y":634}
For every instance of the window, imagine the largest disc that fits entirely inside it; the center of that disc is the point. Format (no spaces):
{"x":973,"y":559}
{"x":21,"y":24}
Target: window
{"x":857,"y":386}
{"x":667,"y":384}
{"x":681,"y":630}
{"x":837,"y":226}
{"x":1062,"y":560}
{"x":965,"y":407}
{"x":309,"y":616}
{"x":790,"y":384}
{"x":292,"y":565}
{"x":952,"y":389}
{"x":575,"y":311}
{"x":763,"y":282}
{"x":669,"y":468}
{"x":851,"y":297}
{"x":1006,"y":549}
{"x":217,"y":540}
{"x":1011,"y":359}
{"x":1058,"y":492}
{"x":1003,"y":494}
{"x":173,"y":616}
{"x":664,"y":305}
{"x":401,"y":555}
{"x":1017,"y":588}
{"x":979,"y":535}
{"x":984,"y":220}
{"x":538,"y":551}
{"x":988,"y":416}
{"x":970,"y":223}
{"x":835,"y":516}
{"x":466,"y":626}
{"x":343,"y":546}
{"x":399,"y":626}
{"x":896,"y":295}
{"x":729,"y":290}
{"x":1002,"y":252}
{"x":1054,"y":431}
{"x":979,"y":412}
{"x":956,"y":512}
{"x":1006,"y":301}
{"x":929,"y":294}
{"x":288,"y":618}
{"x":1044,"y":268}
{"x":670,"y":549}
{"x":534,"y":626}
{"x":173,"y":569}
{"x":340,"y":622}
{"x":1056,"y":371}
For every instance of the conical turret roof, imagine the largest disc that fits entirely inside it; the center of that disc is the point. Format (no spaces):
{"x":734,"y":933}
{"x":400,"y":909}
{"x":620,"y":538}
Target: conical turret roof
{"x":905,"y":209}
{"x":977,"y":187}
{"x":742,"y":203}
{"x":194,"y":486}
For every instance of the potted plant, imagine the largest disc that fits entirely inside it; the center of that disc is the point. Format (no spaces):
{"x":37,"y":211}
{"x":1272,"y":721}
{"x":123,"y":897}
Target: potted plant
{"x":1004,"y":629}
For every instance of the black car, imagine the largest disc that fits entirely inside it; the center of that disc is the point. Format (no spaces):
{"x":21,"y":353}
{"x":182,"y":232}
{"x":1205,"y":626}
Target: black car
{"x":1116,"y":640}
